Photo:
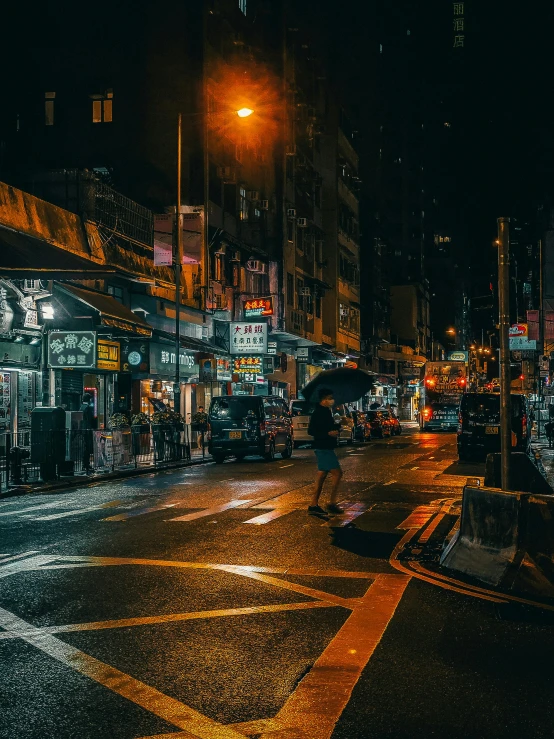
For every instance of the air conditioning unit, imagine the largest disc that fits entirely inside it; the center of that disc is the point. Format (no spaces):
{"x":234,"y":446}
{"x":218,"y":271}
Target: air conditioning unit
{"x":220,"y":302}
{"x":302,"y":222}
{"x":264,"y":204}
{"x":291,"y":150}
{"x":253,"y":195}
{"x":254,"y":265}
{"x":235,"y":256}
{"x":291,"y":212}
{"x":32,"y":286}
{"x":344,"y":311}
{"x":227,"y":174}
{"x":305,"y":291}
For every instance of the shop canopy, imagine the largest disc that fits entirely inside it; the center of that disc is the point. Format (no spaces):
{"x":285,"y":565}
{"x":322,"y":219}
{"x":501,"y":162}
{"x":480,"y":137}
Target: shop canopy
{"x":111,"y":312}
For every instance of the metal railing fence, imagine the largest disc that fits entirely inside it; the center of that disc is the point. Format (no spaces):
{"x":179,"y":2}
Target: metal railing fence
{"x":27,"y":459}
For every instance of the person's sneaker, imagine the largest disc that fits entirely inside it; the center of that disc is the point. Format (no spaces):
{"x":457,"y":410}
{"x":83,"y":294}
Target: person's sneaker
{"x":316,"y":510}
{"x":334,"y":508}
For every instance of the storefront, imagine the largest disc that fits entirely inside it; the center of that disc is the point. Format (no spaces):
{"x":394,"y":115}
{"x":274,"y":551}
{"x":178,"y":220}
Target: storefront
{"x":20,"y":384}
{"x":216,"y":375}
{"x":84,"y":362}
{"x":158,"y":386}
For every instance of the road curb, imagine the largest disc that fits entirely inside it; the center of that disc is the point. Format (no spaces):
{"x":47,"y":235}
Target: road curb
{"x":83,"y":482}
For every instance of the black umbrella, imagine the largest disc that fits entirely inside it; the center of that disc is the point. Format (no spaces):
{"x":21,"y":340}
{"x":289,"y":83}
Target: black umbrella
{"x":347,"y":385}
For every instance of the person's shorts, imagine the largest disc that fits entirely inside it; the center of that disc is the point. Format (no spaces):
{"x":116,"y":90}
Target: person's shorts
{"x":327,"y":460}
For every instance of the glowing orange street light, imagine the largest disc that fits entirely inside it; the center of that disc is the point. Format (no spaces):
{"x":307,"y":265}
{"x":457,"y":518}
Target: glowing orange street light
{"x":244,"y":112}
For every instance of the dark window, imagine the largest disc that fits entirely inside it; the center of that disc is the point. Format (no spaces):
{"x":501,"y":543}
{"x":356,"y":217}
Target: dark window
{"x":290,"y":289}
{"x":318,"y":307}
{"x":234,"y":409}
{"x":302,"y":408}
{"x":116,"y":291}
{"x":290,"y":230}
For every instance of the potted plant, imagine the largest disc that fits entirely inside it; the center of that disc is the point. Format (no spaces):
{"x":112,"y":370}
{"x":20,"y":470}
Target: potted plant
{"x":140,"y":423}
{"x":118,"y":421}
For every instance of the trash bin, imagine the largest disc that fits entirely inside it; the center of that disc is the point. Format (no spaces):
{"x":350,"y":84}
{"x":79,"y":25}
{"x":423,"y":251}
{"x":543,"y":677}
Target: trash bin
{"x":48,"y":440}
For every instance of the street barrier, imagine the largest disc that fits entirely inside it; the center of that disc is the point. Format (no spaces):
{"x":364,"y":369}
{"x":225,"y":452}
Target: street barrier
{"x":489,"y":544}
{"x":28,"y":457}
{"x":525,"y":476}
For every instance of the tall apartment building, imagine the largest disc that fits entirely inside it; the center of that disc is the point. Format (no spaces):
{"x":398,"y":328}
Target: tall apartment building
{"x":92,"y":122}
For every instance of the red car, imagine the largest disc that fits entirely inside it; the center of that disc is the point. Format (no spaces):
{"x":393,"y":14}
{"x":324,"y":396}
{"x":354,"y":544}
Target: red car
{"x":380,"y":423}
{"x":396,"y":428}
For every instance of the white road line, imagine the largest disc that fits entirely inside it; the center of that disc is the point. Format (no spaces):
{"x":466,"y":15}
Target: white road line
{"x":270,"y":516}
{"x":210,"y":511}
{"x":11,"y":558}
{"x":352,"y":512}
{"x":414,"y":468}
{"x":37,"y":508}
{"x":140,"y":512}
{"x":390,"y":482}
{"x":286,"y":465}
{"x":31,"y":563}
{"x":73,"y":512}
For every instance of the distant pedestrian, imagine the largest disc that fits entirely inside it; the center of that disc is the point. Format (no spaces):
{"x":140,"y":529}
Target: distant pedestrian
{"x":325,"y":432}
{"x":549,"y":431}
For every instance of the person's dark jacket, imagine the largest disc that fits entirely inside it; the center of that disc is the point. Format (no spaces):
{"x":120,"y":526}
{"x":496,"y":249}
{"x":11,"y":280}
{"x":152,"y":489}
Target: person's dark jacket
{"x":321,"y":422}
{"x":89,"y":421}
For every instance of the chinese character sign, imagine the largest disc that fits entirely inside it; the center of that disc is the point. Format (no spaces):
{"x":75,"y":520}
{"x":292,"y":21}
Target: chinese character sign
{"x":72,"y":349}
{"x":258,"y":307}
{"x":247,"y":365}
{"x":458,"y":24}
{"x":248,"y":338}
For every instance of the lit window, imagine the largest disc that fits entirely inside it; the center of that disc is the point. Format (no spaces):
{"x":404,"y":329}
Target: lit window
{"x":102,"y":108}
{"x":244,"y":205}
{"x":49,"y":108}
{"x":242,"y":6}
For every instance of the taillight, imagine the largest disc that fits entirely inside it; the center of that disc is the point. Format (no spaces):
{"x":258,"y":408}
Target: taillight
{"x":262,"y":428}
{"x":524,"y":425}
{"x":427,"y":414}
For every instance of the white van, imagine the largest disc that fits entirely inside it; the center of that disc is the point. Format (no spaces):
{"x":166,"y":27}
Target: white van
{"x":301,"y":411}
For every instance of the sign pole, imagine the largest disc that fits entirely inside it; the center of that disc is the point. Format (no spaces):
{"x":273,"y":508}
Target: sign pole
{"x":178,"y":257}
{"x":504,"y":326}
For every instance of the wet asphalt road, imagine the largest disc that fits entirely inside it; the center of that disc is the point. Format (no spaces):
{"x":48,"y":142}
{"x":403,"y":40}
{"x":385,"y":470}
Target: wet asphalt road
{"x":205,"y":603}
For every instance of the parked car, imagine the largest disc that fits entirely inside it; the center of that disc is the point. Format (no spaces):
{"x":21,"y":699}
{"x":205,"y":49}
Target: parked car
{"x":249,"y":424}
{"x":395,"y":427}
{"x":361,"y":430}
{"x":479,"y":424}
{"x":380,"y":424}
{"x":342,"y":416}
{"x":301,"y":410}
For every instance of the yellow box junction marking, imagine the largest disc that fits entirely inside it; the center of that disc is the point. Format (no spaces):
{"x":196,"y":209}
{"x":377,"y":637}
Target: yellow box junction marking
{"x":313,"y":709}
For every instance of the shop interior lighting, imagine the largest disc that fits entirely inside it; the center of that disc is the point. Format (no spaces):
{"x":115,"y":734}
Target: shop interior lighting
{"x":35,"y":341}
{"x":18,"y":339}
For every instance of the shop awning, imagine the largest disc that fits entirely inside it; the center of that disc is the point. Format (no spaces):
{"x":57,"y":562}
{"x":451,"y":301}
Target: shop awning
{"x":112,"y":312}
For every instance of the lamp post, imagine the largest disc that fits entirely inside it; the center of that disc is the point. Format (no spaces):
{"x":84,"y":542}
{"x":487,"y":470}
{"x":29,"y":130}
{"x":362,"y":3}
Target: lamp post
{"x":504,"y":324}
{"x":243,"y":112}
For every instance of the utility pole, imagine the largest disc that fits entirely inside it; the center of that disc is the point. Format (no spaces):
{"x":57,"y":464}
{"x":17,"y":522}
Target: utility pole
{"x":178,"y":260}
{"x":504,"y":326}
{"x":541,"y":344}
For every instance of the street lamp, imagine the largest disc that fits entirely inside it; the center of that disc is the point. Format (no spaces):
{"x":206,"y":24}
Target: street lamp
{"x":241,"y":113}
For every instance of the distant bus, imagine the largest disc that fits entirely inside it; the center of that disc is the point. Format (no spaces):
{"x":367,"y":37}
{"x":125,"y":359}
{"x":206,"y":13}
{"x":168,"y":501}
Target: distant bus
{"x":443,"y":385}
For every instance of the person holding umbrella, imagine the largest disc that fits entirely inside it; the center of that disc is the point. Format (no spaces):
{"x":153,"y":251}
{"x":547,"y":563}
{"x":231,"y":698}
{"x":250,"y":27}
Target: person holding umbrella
{"x":325,"y":432}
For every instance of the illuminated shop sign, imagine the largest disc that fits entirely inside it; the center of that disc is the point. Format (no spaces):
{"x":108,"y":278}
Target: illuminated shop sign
{"x":258,"y":307}
{"x":248,"y":338}
{"x":248,"y":365}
